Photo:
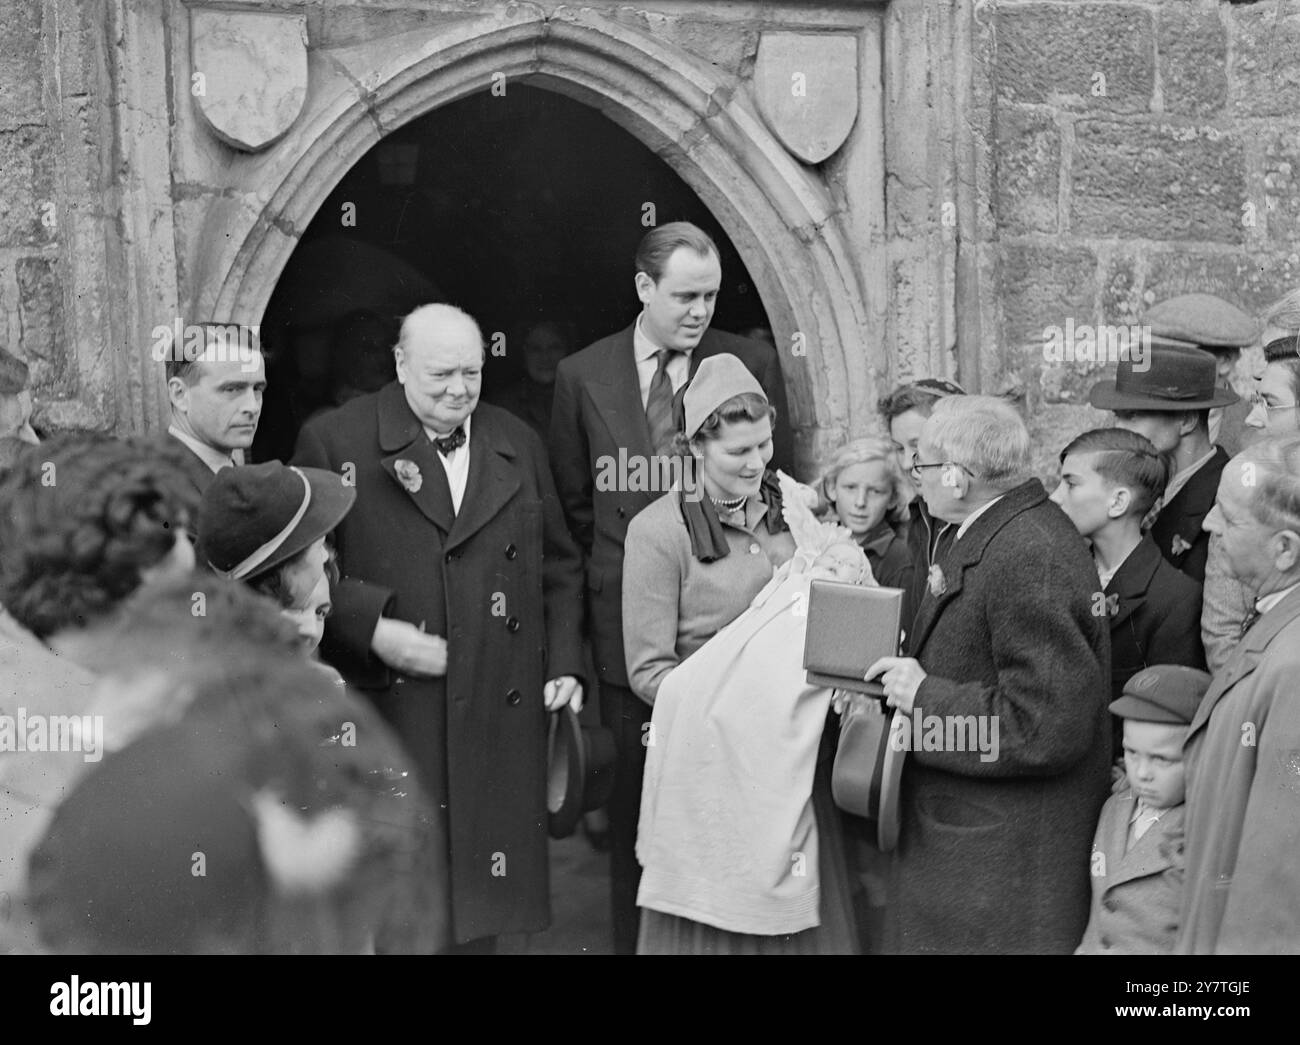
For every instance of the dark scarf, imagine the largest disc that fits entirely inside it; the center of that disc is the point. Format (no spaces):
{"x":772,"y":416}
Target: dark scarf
{"x":708,"y":539}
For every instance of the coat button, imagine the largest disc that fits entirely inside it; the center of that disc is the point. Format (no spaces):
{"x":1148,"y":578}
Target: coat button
{"x":448,"y":557}
{"x":513,"y":697}
{"x":1105,"y":942}
{"x":622,"y":513}
{"x":1108,"y":903}
{"x":754,"y":549}
{"x":512,"y":624}
{"x":511,"y":551}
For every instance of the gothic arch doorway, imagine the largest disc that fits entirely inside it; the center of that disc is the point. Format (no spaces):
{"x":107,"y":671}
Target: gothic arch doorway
{"x":524,"y":209}
{"x":779,"y":215}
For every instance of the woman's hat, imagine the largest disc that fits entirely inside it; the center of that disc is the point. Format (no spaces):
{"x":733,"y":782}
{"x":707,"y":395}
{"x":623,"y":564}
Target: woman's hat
{"x":255,"y":517}
{"x":717,"y":379}
{"x":580,"y":771}
{"x":1174,"y":376}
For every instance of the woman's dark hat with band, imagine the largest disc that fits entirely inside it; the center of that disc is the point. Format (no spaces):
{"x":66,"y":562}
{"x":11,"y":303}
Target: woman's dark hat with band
{"x":255,"y":517}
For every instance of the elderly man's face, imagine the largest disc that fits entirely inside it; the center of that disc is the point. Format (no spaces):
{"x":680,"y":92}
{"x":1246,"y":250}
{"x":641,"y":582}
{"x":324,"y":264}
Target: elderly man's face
{"x":941,"y":487}
{"x":441,"y":370}
{"x":1243,"y":539}
{"x":679,"y":307}
{"x":221,"y":408}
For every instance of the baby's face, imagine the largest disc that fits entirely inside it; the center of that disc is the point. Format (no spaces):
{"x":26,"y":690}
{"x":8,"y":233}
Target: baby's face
{"x":841,"y":562}
{"x":1153,"y":758}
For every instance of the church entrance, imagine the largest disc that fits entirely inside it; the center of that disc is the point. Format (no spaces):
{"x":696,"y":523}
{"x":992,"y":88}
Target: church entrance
{"x":523,"y":208}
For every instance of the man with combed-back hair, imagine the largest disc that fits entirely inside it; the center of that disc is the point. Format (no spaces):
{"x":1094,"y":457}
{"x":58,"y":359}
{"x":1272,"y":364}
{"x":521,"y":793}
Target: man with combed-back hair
{"x":1243,"y":802}
{"x":992,"y":853}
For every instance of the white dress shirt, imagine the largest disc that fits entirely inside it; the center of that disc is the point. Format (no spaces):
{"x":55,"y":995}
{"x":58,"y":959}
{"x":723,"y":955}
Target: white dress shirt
{"x":456,"y":465}
{"x":213,"y":458}
{"x":1267,"y":602}
{"x":679,"y":363}
{"x":966,"y":523}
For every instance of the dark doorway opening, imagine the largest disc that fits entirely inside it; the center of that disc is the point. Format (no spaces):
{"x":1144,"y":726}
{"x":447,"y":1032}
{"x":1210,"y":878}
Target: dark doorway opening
{"x":520,"y":209}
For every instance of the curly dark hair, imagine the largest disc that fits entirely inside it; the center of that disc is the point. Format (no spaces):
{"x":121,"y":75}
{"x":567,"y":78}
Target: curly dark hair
{"x":84,"y":515}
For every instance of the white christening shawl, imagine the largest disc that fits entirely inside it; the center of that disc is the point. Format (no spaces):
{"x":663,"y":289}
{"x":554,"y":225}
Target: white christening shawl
{"x":727,"y":834}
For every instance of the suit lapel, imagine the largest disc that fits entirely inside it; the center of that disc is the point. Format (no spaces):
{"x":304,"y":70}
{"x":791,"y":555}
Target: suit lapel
{"x":968,"y":551}
{"x":1132,"y":581}
{"x":1145,"y":858}
{"x":1245,"y":658}
{"x":411,"y":460}
{"x":616,"y":392}
{"x":493,"y":479}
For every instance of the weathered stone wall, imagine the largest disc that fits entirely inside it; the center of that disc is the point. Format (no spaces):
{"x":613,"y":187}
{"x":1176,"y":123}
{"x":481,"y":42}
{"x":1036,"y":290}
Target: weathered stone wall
{"x":1142,"y":150}
{"x":31,"y":309}
{"x":1015,"y":164}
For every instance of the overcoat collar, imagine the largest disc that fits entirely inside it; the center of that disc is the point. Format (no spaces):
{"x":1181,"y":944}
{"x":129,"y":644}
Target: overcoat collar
{"x":492,"y":480}
{"x":969,"y":550}
{"x":1197,"y":497}
{"x":1246,"y":657}
{"x":1132,"y":580}
{"x":1145,"y":858}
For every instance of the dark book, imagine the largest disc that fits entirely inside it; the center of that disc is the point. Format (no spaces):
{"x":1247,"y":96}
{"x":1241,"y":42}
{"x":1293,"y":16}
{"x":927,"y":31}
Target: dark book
{"x":849,"y":629}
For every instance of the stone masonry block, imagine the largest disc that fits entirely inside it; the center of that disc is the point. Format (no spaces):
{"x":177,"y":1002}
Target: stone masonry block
{"x":1098,"y":57}
{"x":1028,"y":171}
{"x":1158,"y":180}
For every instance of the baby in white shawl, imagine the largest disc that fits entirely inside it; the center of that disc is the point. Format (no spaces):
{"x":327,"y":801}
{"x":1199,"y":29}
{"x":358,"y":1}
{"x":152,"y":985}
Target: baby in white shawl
{"x":727,"y":834}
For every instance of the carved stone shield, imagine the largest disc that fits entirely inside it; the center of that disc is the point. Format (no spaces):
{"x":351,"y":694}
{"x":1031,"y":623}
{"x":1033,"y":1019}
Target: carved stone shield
{"x":806,"y":85}
{"x":248,"y":73}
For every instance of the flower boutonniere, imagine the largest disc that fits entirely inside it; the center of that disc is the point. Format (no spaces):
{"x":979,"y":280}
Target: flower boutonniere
{"x":408,"y":474}
{"x":1179,"y":545}
{"x":938,"y":582}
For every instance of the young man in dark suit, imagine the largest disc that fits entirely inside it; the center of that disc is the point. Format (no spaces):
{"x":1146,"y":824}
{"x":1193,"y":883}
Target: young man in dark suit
{"x":1166,"y":392}
{"x":613,"y":414}
{"x":1110,"y":478}
{"x":993,"y":842}
{"x":216,"y":401}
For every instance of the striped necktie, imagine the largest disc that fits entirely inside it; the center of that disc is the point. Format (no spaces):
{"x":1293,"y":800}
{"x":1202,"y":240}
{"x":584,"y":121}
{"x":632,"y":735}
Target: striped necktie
{"x":659,"y":406}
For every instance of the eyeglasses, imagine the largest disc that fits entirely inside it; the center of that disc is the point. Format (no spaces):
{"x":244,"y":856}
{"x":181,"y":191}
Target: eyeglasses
{"x":917,"y":467}
{"x":1257,"y":399}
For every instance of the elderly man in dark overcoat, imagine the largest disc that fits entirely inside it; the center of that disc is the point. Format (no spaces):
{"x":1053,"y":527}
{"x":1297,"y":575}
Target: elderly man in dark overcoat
{"x":459,"y":609}
{"x":1011,"y":637}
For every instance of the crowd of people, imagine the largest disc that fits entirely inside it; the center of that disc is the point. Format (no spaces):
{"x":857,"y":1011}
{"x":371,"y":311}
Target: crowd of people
{"x":311,"y":706}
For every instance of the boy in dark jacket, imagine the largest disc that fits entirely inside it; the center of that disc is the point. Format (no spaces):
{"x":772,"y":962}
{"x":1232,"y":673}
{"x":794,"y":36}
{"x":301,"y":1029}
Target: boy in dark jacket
{"x":1110,"y":477}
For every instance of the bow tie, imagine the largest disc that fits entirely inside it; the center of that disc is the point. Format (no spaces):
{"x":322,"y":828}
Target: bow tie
{"x":452,"y":441}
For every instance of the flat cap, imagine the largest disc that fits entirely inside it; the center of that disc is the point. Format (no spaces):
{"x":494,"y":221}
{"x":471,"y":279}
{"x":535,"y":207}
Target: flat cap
{"x":1204,"y":320}
{"x":1163,"y":693}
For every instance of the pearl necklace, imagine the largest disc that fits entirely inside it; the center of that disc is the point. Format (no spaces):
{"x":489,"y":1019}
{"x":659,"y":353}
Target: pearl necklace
{"x":729,"y":505}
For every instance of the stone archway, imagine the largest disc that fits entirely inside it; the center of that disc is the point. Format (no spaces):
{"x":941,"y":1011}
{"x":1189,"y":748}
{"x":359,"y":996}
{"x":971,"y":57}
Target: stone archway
{"x":780,"y":217}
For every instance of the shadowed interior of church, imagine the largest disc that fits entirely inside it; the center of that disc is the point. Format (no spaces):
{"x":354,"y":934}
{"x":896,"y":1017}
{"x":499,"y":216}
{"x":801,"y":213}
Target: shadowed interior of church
{"x":521,"y":208}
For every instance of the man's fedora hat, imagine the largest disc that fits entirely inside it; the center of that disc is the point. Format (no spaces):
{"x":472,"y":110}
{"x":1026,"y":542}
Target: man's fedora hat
{"x":580,"y":771}
{"x":1175,"y":375}
{"x":1205,"y":320}
{"x":255,"y":517}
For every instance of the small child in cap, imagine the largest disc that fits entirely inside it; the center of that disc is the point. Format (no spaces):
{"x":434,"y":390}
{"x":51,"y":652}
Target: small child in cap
{"x":1137,"y":854}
